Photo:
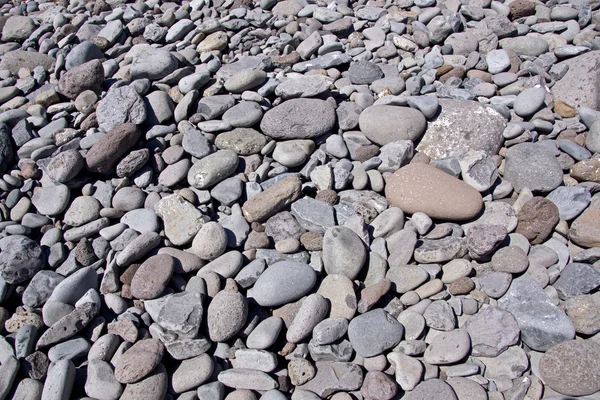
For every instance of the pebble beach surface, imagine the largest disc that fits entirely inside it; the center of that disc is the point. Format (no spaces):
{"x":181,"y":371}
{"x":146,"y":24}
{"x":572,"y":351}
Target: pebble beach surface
{"x":299,"y":199}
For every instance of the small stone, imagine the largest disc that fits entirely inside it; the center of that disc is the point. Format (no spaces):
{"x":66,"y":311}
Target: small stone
{"x":537,"y":219}
{"x":153,"y":276}
{"x":226,"y":313}
{"x":448,"y":347}
{"x":283,"y":282}
{"x":288,"y":120}
{"x":343,"y":252}
{"x":532,"y":166}
{"x":139,"y":361}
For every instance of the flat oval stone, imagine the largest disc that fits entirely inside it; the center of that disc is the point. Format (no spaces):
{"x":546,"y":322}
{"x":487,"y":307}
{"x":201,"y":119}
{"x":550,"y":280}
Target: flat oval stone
{"x":51,"y":200}
{"x":369,"y":342}
{"x":212,"y":169}
{"x":244,"y":141}
{"x":572,"y":368}
{"x":299,"y":119}
{"x":383,"y":124}
{"x":448,"y":347}
{"x":421,"y":187}
{"x":283,"y":282}
{"x":152,"y":277}
{"x":139,"y":361}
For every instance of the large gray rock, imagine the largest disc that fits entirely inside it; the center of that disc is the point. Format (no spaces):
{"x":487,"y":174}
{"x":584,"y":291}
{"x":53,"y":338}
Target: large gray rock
{"x":21,"y":258}
{"x":299,"y":119}
{"x":120,"y":105}
{"x":542,"y":324}
{"x":451,"y":133}
{"x":532,"y":166}
{"x":581,"y":84}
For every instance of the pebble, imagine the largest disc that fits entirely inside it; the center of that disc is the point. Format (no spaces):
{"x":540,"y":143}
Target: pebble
{"x":544,"y":174}
{"x":343,"y":252}
{"x":287,"y":121}
{"x":152,"y":277}
{"x":226,"y":313}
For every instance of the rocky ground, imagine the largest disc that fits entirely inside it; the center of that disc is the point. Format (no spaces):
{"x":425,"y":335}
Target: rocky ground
{"x":238,"y":199}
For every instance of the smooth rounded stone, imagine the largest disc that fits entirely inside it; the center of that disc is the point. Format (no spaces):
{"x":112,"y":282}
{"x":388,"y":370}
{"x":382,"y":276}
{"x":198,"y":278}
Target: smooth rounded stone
{"x":344,"y":252}
{"x":576,"y":279}
{"x":71,"y":349}
{"x":289,"y":119}
{"x":293,"y":153}
{"x":245,"y":80}
{"x":378,"y":386}
{"x":255,"y":359}
{"x":101,"y":383}
{"x":450,"y":133}
{"x":448,"y":347}
{"x":431,"y":389}
{"x":139,"y":361}
{"x":141,"y":220}
{"x":283,"y":282}
{"x":40,"y":288}
{"x":28,"y":389}
{"x":210,"y":241}
{"x":242,"y":378}
{"x":129,"y":198}
{"x":529,"y":101}
{"x":192,"y":373}
{"x":244,"y":114}
{"x":570,"y":201}
{"x":60,"y":381}
{"x":151,"y":63}
{"x":107,"y":151}
{"x":265,"y":334}
{"x":542,"y":324}
{"x":368,"y":342}
{"x":532,"y":46}
{"x":212,"y":169}
{"x":51,"y":200}
{"x":423,"y":188}
{"x":440,"y":316}
{"x":17,"y":28}
{"x":364,"y":73}
{"x":152,"y":277}
{"x":82,"y":53}
{"x":532,"y":166}
{"x":227,"y":313}
{"x":244,"y":141}
{"x":211,"y":391}
{"x":483,"y":239}
{"x":74,"y":286}
{"x":380,"y":125}
{"x":537,"y":219}
{"x":329,"y":330}
{"x":511,"y":259}
{"x":195,"y":143}
{"x":313,"y":310}
{"x":466,"y":388}
{"x":273,"y":199}
{"x":497,"y":61}
{"x":193,"y":82}
{"x":83,"y":209}
{"x":406,"y":277}
{"x":214,"y":41}
{"x":339,"y":290}
{"x":153,"y":387}
{"x":159,"y":107}
{"x":119,"y":106}
{"x":21,"y":258}
{"x":104,"y":348}
{"x":492,"y":331}
{"x":584,"y":313}
{"x":455,"y":270}
{"x":88,"y":76}
{"x":571,"y":367}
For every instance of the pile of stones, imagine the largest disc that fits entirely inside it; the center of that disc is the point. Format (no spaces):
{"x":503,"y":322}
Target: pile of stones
{"x":299,"y":199}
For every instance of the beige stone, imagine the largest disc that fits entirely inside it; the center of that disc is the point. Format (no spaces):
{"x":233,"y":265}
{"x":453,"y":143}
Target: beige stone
{"x":421,"y":187}
{"x":272,"y":200}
